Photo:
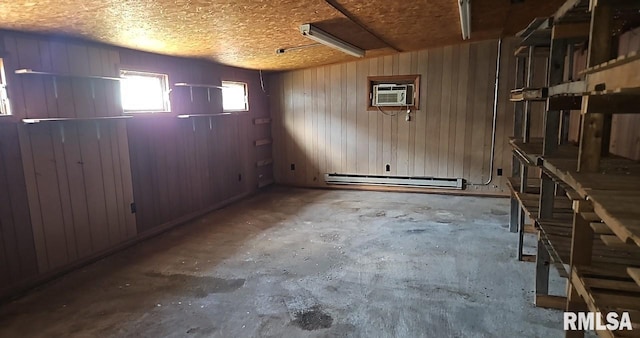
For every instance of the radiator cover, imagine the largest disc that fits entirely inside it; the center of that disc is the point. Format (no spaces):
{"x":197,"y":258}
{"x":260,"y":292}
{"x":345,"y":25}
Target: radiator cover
{"x":396,"y":181}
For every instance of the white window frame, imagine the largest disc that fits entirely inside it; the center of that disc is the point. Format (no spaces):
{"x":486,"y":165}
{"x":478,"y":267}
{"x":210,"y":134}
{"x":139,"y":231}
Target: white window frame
{"x":246,"y":95}
{"x":5,"y":106}
{"x":164,"y":80}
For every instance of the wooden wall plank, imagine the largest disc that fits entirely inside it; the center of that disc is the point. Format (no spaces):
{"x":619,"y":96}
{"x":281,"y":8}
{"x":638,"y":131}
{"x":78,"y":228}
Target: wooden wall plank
{"x":361,"y":117}
{"x":77,"y":190}
{"x":445,"y":112}
{"x":351,"y":123}
{"x":81,"y":88}
{"x":434,"y":111}
{"x":58,"y":135}
{"x":60,"y":63}
{"x":28,"y":52}
{"x":403,"y":126}
{"x":54,"y":240}
{"x":462,"y":108}
{"x":11,"y":63}
{"x":94,"y":188}
{"x":17,"y":243}
{"x":421,"y":115}
{"x":110,"y":196}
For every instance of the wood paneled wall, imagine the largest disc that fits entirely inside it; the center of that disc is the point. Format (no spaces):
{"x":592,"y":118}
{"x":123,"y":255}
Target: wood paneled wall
{"x":17,"y":251}
{"x":77,"y":173}
{"x":322,"y":126}
{"x":72,"y":184}
{"x":183,"y":166}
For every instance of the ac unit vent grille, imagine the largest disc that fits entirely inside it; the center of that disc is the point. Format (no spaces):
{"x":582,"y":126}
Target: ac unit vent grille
{"x":387,"y":98}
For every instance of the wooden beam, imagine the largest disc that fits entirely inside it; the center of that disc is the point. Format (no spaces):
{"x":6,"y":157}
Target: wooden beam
{"x":551,"y":302}
{"x":611,"y":104}
{"x":570,"y":30}
{"x":635,"y":274}
{"x":565,"y":103}
{"x":600,"y":228}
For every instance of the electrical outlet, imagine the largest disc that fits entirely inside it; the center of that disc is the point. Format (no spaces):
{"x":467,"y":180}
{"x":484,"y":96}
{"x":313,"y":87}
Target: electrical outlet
{"x":293,"y":166}
{"x":499,"y":172}
{"x":387,"y":167}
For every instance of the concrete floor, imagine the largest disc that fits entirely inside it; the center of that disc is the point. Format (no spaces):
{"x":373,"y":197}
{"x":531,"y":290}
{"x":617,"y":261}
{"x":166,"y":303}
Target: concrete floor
{"x":306,"y":263}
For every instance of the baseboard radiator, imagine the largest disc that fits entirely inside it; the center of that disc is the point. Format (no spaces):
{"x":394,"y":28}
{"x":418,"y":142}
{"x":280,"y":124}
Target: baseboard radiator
{"x":396,"y":181}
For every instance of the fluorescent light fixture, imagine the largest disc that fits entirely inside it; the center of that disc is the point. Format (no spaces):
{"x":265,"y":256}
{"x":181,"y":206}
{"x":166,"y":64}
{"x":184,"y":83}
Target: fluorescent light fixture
{"x":316,"y":34}
{"x":465,"y":18}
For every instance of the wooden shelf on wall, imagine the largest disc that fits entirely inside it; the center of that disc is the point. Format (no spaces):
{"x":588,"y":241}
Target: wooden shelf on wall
{"x":264,"y":162}
{"x":262,"y":142}
{"x":263,"y":182}
{"x":72,"y":119}
{"x":26,"y":71}
{"x":187,"y":116}
{"x":262,"y":120}
{"x":196,"y":85}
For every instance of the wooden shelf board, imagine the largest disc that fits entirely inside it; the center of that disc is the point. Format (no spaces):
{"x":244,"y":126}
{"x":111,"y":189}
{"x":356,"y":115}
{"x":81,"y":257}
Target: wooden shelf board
{"x":619,"y":211}
{"x":635,"y":274}
{"x":537,"y":33}
{"x":616,"y":173}
{"x":621,"y":60}
{"x":26,"y":71}
{"x":265,"y":120}
{"x":264,"y":162}
{"x":540,"y":51}
{"x":615,"y":101}
{"x":531,"y":151}
{"x":263,"y":141}
{"x":573,"y":88}
{"x":533,"y":185}
{"x":265,"y":182}
{"x":196,"y":85}
{"x":528,"y":94}
{"x":608,"y":289}
{"x":71,"y":119}
{"x":186,"y":116}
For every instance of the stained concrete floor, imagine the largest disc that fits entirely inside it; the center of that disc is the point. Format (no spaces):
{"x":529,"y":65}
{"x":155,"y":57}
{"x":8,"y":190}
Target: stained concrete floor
{"x":305,"y":263}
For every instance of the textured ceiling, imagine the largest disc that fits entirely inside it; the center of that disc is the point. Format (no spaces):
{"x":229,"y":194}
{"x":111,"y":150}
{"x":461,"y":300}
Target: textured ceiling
{"x":246,"y":33}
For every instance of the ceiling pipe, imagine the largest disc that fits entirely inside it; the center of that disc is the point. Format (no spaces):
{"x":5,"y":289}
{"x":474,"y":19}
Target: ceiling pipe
{"x":464,"y":7}
{"x":495,"y":116}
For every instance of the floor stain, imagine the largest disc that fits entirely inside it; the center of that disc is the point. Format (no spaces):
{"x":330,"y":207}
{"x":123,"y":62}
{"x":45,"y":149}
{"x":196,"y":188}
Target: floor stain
{"x":498,"y":212}
{"x":198,"y":286}
{"x":415,"y":231}
{"x":313,"y":319}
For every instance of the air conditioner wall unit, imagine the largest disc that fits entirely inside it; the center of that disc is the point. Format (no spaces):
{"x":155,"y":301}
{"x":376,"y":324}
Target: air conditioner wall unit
{"x":392,"y":95}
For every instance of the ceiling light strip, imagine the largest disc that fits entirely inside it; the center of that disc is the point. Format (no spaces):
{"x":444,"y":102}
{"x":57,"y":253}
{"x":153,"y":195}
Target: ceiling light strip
{"x":329,"y":40}
{"x":464,"y":6}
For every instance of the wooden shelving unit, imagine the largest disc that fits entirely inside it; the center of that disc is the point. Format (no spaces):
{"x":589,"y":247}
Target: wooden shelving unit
{"x":585,"y":204}
{"x":264,"y":152}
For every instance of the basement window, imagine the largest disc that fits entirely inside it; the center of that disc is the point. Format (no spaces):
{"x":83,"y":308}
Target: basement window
{"x":144,"y":92}
{"x":5,"y":107}
{"x":234,"y":96}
